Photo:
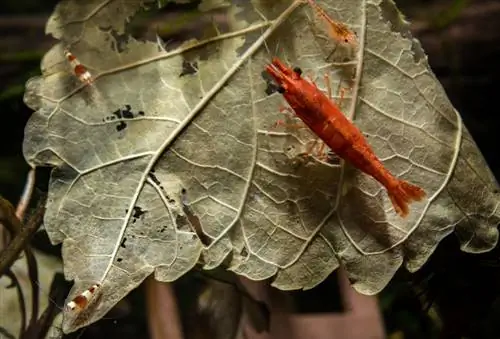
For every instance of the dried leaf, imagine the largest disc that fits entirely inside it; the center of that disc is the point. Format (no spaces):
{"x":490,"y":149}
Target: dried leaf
{"x":143,"y":141}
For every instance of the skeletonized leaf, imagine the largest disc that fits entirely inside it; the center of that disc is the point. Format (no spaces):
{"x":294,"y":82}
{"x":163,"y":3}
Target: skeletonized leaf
{"x":170,"y":147}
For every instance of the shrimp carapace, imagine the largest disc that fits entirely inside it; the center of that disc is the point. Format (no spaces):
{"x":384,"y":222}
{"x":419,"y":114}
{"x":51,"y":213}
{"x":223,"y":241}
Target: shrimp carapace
{"x":324,"y":117}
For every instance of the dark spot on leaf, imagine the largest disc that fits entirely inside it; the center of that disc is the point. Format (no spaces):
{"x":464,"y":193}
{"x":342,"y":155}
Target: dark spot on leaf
{"x":244,"y":252}
{"x":169,"y":199}
{"x":154,"y":178}
{"x":119,"y":259}
{"x":184,"y":197}
{"x":121,"y":126}
{"x":188,"y":68}
{"x":127,"y":112}
{"x":123,"y":242}
{"x":138,"y":212}
{"x":117,"y":113}
{"x":163,"y":229}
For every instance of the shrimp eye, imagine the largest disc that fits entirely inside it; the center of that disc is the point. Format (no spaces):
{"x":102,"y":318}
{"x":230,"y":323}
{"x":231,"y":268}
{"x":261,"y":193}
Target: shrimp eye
{"x":346,"y":40}
{"x":281,"y":89}
{"x":297,"y":70}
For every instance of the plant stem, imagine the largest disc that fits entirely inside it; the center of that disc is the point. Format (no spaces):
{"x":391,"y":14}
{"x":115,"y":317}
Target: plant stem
{"x":22,"y":237}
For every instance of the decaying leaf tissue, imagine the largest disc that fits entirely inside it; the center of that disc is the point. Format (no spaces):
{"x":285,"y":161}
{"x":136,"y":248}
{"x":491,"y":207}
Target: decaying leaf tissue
{"x":175,"y":148}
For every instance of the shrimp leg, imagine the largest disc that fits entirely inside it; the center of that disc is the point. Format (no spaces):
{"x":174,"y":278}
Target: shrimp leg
{"x":331,"y":53}
{"x":289,"y":112}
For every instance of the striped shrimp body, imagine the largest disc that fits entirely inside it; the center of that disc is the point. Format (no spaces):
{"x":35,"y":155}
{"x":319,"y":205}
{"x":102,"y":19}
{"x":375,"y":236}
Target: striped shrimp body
{"x":82,"y":300}
{"x":327,"y":121}
{"x":80,"y":71}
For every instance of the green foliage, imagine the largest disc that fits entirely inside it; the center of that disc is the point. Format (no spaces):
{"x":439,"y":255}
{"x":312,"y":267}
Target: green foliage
{"x":446,"y":17}
{"x":29,"y":62}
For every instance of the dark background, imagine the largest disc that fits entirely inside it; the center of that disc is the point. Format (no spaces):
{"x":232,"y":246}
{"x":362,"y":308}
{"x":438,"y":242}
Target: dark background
{"x":462,"y":40}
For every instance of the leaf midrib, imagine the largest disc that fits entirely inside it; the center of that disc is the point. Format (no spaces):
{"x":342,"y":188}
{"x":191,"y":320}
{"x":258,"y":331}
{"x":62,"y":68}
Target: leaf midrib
{"x":195,"y":111}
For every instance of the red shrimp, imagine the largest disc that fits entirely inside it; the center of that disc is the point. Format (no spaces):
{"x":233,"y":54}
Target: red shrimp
{"x":327,"y":121}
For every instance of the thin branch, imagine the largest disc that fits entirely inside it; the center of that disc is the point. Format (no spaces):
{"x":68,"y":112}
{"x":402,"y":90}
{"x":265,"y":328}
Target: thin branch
{"x":25,"y":199}
{"x":33,"y":275}
{"x":21,"y":236}
{"x":56,"y":297}
{"x":6,"y":334}
{"x":8,"y":217}
{"x":11,"y":253}
{"x":20,"y":297}
{"x":12,"y":224}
